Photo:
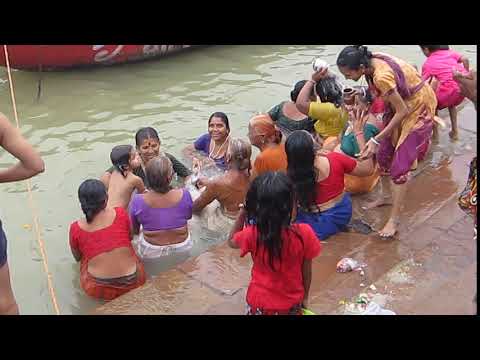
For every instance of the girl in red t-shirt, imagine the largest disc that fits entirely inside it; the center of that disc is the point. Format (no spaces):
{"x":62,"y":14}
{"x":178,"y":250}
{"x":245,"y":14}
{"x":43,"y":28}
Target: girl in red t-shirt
{"x":102,"y":243}
{"x":282,"y":252}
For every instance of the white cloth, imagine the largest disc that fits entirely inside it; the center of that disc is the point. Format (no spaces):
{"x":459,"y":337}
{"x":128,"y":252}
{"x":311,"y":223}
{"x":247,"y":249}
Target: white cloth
{"x":145,"y":250}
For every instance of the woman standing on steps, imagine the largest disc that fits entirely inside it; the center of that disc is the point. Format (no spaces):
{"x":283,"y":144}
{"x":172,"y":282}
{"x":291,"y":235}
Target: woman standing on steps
{"x":408,"y":118}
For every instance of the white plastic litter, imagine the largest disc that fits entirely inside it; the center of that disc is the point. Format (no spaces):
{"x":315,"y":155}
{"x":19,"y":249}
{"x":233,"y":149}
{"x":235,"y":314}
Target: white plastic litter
{"x":349,"y":264}
{"x":374,"y":309}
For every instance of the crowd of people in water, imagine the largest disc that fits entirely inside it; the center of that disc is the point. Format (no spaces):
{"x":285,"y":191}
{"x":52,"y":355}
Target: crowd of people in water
{"x":316,"y":150}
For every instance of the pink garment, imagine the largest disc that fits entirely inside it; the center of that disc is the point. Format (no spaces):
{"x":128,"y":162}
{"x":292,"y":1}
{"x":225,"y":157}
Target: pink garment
{"x":440,"y":65}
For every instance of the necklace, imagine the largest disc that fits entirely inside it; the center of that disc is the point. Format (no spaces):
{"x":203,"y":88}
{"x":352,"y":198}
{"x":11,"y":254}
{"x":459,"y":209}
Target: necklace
{"x":213,"y":156}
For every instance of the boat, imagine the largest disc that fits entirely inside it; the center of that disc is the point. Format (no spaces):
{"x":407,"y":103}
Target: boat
{"x":60,"y":57}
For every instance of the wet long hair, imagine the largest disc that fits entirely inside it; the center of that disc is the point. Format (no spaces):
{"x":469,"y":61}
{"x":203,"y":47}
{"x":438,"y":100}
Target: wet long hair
{"x":120,"y":157}
{"x":221,"y":116}
{"x":296,"y":90}
{"x":433,"y":48}
{"x":353,"y":56}
{"x":92,"y":194}
{"x":158,"y":173}
{"x":270,"y":202}
{"x":301,"y":170}
{"x":330,"y":90}
{"x":144,"y":134}
{"x":240,"y":152}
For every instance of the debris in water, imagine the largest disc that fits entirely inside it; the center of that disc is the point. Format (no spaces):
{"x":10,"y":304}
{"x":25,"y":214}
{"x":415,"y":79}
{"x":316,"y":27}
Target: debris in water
{"x":373,"y":287}
{"x":362,"y":284}
{"x":27,"y":226}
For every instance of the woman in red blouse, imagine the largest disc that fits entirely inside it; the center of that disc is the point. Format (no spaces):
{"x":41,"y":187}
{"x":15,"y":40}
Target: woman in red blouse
{"x":318,"y":179}
{"x":102,"y":243}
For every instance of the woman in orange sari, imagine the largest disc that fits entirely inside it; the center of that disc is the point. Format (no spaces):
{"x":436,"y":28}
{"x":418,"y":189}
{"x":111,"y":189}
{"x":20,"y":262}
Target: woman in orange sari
{"x":408,"y":119}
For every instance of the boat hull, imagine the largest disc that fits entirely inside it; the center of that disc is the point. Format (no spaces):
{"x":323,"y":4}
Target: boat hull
{"x":58,"y":57}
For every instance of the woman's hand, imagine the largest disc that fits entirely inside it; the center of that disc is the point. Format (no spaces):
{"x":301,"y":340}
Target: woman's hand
{"x":370,"y":149}
{"x":319,"y":75}
{"x":196,"y":165}
{"x":359,"y":118}
{"x":467,"y":83}
{"x":201,"y":182}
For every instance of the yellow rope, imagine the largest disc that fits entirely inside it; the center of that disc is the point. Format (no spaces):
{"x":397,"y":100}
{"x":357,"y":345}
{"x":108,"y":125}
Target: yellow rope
{"x":30,"y":197}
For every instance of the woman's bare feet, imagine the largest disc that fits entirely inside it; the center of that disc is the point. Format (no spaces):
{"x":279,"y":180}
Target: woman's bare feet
{"x":381,"y":201}
{"x":390,"y":229}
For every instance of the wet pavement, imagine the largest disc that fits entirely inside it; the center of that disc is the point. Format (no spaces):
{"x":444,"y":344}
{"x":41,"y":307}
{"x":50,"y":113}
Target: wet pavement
{"x":430,"y":267}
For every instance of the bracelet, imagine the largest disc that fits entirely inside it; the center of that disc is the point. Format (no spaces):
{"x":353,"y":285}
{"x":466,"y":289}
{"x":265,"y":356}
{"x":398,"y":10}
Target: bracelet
{"x":375,"y":141}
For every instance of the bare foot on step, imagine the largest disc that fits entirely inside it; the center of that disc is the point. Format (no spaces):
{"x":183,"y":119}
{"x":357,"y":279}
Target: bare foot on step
{"x":377,"y":203}
{"x":389,"y":230}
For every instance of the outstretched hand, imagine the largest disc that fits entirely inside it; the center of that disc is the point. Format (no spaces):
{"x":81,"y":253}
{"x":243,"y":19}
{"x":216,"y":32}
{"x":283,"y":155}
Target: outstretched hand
{"x":368,"y":151}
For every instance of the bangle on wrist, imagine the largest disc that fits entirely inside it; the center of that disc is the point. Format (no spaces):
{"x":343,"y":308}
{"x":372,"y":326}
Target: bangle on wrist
{"x":375,"y":141}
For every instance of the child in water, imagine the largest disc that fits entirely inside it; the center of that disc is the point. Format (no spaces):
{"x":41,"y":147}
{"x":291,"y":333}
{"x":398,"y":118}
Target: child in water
{"x":438,"y":68}
{"x":123,"y":182}
{"x":282,"y":252}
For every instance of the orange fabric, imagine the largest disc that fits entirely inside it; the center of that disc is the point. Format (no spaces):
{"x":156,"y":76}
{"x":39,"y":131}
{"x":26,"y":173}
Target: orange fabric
{"x":273,"y":158}
{"x":108,"y":292}
{"x":361,"y":185}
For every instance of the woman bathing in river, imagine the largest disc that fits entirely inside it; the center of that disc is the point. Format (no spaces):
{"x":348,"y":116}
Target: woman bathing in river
{"x":286,"y":115}
{"x":101,"y":242}
{"x":122,"y":182}
{"x":229,"y":189}
{"x":148,"y":146}
{"x":213,"y":145}
{"x":265,"y":135}
{"x":162,"y":213}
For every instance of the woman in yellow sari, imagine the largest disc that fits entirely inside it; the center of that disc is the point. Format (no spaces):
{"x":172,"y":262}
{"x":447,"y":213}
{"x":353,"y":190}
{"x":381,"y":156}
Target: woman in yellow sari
{"x":329,"y":115}
{"x":408,"y":119}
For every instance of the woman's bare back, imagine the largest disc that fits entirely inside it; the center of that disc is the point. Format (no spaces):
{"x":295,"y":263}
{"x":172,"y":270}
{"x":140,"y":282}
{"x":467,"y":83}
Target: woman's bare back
{"x":120,"y":189}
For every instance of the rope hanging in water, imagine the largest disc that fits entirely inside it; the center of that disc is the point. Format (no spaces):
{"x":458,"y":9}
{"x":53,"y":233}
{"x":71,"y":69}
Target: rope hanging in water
{"x":30,"y":197}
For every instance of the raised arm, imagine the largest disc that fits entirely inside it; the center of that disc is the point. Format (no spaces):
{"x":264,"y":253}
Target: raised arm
{"x":303,"y":100}
{"x":139,"y":185}
{"x":12,"y":141}
{"x":207,"y":196}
